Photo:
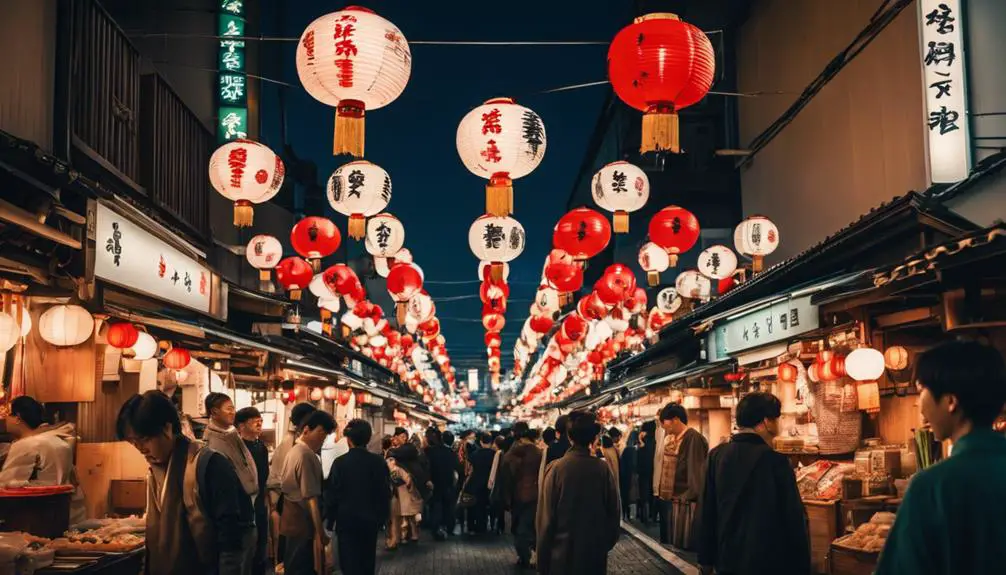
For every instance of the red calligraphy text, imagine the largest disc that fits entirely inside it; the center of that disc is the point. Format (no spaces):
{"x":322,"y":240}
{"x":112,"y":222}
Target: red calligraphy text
{"x":237,"y":160}
{"x":491,"y":122}
{"x":492,"y":152}
{"x":309,"y":45}
{"x":162,"y":267}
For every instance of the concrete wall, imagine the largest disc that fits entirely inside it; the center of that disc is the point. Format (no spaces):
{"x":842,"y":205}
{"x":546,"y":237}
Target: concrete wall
{"x":857,"y":144}
{"x":27,"y":37}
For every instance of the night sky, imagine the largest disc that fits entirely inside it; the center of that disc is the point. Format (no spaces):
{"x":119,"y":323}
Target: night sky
{"x":414,"y":138}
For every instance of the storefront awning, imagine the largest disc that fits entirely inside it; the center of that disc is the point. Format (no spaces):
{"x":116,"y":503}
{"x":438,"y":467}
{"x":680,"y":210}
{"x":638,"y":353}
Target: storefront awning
{"x":691,"y":370}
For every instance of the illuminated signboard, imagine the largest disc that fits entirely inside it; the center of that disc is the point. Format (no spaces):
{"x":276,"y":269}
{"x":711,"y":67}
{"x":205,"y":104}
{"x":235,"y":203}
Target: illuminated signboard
{"x":232,"y":83}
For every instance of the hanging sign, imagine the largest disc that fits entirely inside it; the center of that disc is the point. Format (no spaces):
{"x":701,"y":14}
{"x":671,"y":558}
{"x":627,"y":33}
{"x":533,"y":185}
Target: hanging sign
{"x":771,"y":324}
{"x":473,"y":380}
{"x":232,"y":88}
{"x":941,"y":28}
{"x":129,"y":256}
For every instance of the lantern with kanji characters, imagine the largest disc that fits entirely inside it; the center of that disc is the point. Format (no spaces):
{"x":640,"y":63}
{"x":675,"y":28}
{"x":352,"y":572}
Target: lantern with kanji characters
{"x":263,"y":253}
{"x":314,"y":238}
{"x":354,"y":61}
{"x":246,"y":173}
{"x":122,"y":335}
{"x":582,"y":233}
{"x":693,"y":285}
{"x":654,"y":260}
{"x":294,"y":274}
{"x":717,"y":262}
{"x":620,"y":187}
{"x":359,"y":190}
{"x":385,"y":236}
{"x":616,"y":283}
{"x":659,"y":65}
{"x":756,"y":237}
{"x":674,"y":229}
{"x":496,"y":240}
{"x":501,"y":141}
{"x":421,"y":307}
{"x":404,"y":283}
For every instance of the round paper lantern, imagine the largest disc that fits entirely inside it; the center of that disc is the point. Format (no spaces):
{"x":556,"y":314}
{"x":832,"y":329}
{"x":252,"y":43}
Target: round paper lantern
{"x":562,"y":273}
{"x":676,"y":230}
{"x":693,"y":285}
{"x":177,"y":358}
{"x":616,"y":284}
{"x":294,"y":274}
{"x":25,"y":323}
{"x":359,"y":190}
{"x":756,"y":237}
{"x":314,"y":238}
{"x":65,"y":325}
{"x":354,"y":61}
{"x":833,"y":369}
{"x":654,"y":260}
{"x":340,"y":279}
{"x":122,"y":335}
{"x":582,"y":233}
{"x":246,"y":173}
{"x":574,"y":327}
{"x":541,"y":324}
{"x":316,"y":394}
{"x":486,"y":267}
{"x":865,"y":364}
{"x":636,"y":302}
{"x":659,"y":65}
{"x":620,"y":187}
{"x":493,"y":340}
{"x":385,"y":236}
{"x":10,"y":331}
{"x":263,"y":253}
{"x":591,"y":306}
{"x":501,"y":141}
{"x":668,"y":300}
{"x":145,"y":347}
{"x":330,"y":393}
{"x":496,"y":240}
{"x":787,"y":372}
{"x":421,"y":307}
{"x":717,"y":262}
{"x":404,"y":283}
{"x":896,"y":358}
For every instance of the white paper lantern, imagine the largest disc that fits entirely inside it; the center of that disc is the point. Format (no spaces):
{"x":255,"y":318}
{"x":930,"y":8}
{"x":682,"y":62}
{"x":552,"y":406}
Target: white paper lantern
{"x":330,"y":304}
{"x":421,"y":308}
{"x":65,"y":325}
{"x":717,"y":262}
{"x":654,"y":261}
{"x":546,"y":301}
{"x":246,"y":173}
{"x":382,"y":266}
{"x":484,"y":265}
{"x":620,"y":187}
{"x":598,"y":333}
{"x":865,"y":364}
{"x":756,"y":237}
{"x":668,"y":300}
{"x":353,"y":60}
{"x":145,"y":347}
{"x":25,"y":323}
{"x":385,"y":236}
{"x":404,"y":256}
{"x":319,"y":288}
{"x":693,"y":285}
{"x":10,"y":331}
{"x":359,"y":190}
{"x":351,"y":320}
{"x":378,"y":341}
{"x":497,"y":240}
{"x":263,"y":253}
{"x":501,"y":141}
{"x":618,"y":322}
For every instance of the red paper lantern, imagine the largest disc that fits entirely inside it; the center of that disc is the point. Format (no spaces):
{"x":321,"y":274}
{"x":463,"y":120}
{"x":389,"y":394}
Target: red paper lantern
{"x":294,"y":274}
{"x":636,"y":302}
{"x":541,"y":324}
{"x":616,"y":284}
{"x":574,"y":327}
{"x":787,"y":372}
{"x":493,"y":322}
{"x":562,"y":273}
{"x":493,"y":340}
{"x":404,"y":281}
{"x":314,"y":238}
{"x":341,"y":279}
{"x":591,"y":306}
{"x":582,"y":233}
{"x":122,"y":335}
{"x":177,"y":358}
{"x":675,"y":229}
{"x":659,"y":65}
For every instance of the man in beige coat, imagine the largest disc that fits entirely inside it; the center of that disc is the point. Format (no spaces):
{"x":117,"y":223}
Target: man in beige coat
{"x":678,"y":474}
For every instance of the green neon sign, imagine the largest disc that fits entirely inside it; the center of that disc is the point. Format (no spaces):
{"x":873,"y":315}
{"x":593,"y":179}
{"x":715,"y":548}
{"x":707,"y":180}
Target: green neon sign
{"x":232,"y":83}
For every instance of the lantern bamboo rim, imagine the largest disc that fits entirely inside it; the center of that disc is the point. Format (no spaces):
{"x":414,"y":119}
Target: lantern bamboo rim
{"x":656,"y":16}
{"x":499,"y":100}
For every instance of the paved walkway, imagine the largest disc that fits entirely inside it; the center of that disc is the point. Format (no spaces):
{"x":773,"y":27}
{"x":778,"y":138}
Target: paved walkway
{"x":494,"y":555}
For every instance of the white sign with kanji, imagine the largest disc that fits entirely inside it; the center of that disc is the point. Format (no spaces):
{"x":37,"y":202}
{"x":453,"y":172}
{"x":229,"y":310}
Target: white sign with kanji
{"x":131,"y":257}
{"x":777,"y":322}
{"x":941,"y":29}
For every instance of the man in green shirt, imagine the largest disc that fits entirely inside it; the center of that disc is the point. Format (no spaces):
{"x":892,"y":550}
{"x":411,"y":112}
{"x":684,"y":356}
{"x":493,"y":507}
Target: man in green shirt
{"x":953,"y":518}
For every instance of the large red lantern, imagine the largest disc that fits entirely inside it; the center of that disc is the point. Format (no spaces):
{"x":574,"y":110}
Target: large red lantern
{"x":294,"y":274}
{"x":493,"y":340}
{"x":582,"y":233}
{"x":541,"y":324}
{"x":616,"y":284}
{"x":404,"y":282}
{"x":659,"y":65}
{"x":314,"y":238}
{"x":675,"y":229}
{"x":562,"y":273}
{"x":122,"y":335}
{"x":591,"y":306}
{"x":341,"y":279}
{"x":574,"y":327}
{"x":177,"y":358}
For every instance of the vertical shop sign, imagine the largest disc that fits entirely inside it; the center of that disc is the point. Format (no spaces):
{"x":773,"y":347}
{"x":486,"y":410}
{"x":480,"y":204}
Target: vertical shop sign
{"x":473,"y":380}
{"x":232,"y":83}
{"x":941,"y":30}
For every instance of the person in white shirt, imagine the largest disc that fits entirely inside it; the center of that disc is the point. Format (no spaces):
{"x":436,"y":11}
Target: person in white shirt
{"x":41,"y":453}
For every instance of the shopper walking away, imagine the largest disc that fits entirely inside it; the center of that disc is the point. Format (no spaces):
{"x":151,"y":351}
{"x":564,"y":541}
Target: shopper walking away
{"x":644,"y":470}
{"x":678,"y":475}
{"x":953,"y":517}
{"x":478,"y":484}
{"x":628,"y":479}
{"x":752,"y":521}
{"x":406,"y":506}
{"x":444,"y":469}
{"x":610,"y":454}
{"x":248,"y":421}
{"x":578,"y":516}
{"x":357,"y":501}
{"x":301,"y":481}
{"x":497,"y":512}
{"x":519,"y":476}
{"x":199,"y":518}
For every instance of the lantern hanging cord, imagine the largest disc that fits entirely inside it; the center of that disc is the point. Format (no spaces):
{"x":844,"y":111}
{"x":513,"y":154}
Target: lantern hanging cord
{"x":166,"y":35}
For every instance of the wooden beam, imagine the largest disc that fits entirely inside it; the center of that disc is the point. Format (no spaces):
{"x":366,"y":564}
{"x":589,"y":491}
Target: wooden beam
{"x":24,"y":219}
{"x":69,"y":215}
{"x":905,"y":316}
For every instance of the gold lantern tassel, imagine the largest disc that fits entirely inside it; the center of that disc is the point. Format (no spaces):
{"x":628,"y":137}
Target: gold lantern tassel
{"x":496,"y":271}
{"x":673,"y":259}
{"x":325,"y":314}
{"x":357,"y":226}
{"x":244,"y":214}
{"x":653,"y":278}
{"x":660,"y":130}
{"x":401,"y":312}
{"x":499,"y":195}
{"x":757,"y":262}
{"x":315,"y":264}
{"x":349,"y":128}
{"x":295,"y":295}
{"x":621,"y":222}
{"x":265,"y":281}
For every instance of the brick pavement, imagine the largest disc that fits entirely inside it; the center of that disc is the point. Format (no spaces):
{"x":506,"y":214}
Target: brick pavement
{"x":494,"y":555}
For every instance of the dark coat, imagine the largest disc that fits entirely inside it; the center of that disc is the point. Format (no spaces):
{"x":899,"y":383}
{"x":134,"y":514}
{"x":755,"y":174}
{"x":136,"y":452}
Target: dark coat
{"x":519,"y":473}
{"x":557,"y":450}
{"x":578,"y":516}
{"x":644,"y":467}
{"x":627,"y":475}
{"x":482,"y":465}
{"x":443,"y":466}
{"x":357,"y":491}
{"x":752,"y":521}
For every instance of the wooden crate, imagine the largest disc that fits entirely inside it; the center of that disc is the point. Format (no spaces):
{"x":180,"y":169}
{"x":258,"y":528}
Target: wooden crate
{"x":845,"y":561}
{"x":825,"y":525}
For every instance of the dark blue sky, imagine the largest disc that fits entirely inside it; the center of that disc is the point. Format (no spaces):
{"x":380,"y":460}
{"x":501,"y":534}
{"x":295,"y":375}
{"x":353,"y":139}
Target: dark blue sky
{"x":413,"y":139}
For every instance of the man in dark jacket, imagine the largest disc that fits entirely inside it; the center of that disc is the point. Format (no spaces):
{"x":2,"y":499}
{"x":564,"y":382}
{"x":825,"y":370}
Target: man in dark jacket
{"x":561,"y":444}
{"x":578,"y":515}
{"x":357,"y":500}
{"x":478,"y":484}
{"x":752,"y":521}
{"x":644,"y":470}
{"x":519,"y":476}
{"x":444,"y":469}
